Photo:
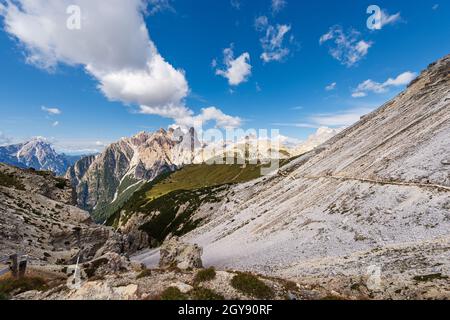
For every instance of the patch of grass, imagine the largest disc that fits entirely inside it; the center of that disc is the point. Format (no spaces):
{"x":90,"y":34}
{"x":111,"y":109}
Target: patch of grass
{"x":204,"y":294}
{"x":205,"y":275}
{"x":252,"y":286}
{"x":193,"y":177}
{"x":144,"y":274}
{"x":173,"y":293}
{"x":183,"y":181}
{"x":11,"y":286}
{"x":430,"y":277}
{"x":192,"y":185}
{"x":10,"y":181}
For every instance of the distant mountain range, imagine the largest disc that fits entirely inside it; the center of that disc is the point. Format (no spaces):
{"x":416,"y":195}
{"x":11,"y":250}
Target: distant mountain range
{"x":38,"y":154}
{"x":124,"y":166}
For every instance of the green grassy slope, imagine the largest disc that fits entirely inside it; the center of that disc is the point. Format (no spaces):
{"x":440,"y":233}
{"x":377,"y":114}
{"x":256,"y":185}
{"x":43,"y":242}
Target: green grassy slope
{"x":192,"y":185}
{"x":202,"y":176}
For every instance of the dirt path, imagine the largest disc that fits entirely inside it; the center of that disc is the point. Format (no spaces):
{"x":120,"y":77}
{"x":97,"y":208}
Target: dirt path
{"x":379,"y":181}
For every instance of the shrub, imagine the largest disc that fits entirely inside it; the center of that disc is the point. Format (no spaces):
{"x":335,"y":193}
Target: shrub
{"x":251,"y":286}
{"x":60,"y":184}
{"x":3,"y":296}
{"x":204,"y":294}
{"x":173,"y":293}
{"x":430,"y":277}
{"x":144,"y":274}
{"x":10,"y":286}
{"x":205,"y":275}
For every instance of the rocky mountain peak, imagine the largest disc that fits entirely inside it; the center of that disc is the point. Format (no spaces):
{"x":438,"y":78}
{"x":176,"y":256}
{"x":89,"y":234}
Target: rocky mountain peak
{"x":37,"y":153}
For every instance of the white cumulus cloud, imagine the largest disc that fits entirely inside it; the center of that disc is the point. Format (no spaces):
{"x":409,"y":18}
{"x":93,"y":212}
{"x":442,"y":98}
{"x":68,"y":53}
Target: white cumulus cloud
{"x":347,"y":47}
{"x":186,"y":118}
{"x":236,"y":70}
{"x":113,"y":46}
{"x":376,"y":87}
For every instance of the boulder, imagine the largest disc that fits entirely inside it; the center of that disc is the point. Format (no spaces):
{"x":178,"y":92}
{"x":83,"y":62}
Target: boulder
{"x":108,"y":264}
{"x":182,"y":255}
{"x":183,"y":287}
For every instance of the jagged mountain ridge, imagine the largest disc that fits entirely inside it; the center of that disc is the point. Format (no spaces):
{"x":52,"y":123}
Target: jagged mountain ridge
{"x":38,"y":154}
{"x":125,"y":165}
{"x":377,"y":194}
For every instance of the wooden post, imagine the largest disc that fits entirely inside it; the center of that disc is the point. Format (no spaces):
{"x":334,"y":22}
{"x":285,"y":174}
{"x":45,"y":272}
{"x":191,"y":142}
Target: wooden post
{"x":14,"y":265}
{"x":22,"y":268}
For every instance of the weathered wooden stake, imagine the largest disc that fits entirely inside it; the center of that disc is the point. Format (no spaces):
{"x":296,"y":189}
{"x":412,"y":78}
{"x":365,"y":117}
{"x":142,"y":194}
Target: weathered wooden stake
{"x":14,"y":265}
{"x":22,"y":268}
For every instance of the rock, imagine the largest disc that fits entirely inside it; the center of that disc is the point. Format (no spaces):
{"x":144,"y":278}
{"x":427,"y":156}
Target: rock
{"x":97,"y":290}
{"x":183,"y":287}
{"x":135,"y":239}
{"x":129,"y":292}
{"x":110,"y":263}
{"x":446,"y":162}
{"x":115,"y":244}
{"x":176,"y":253}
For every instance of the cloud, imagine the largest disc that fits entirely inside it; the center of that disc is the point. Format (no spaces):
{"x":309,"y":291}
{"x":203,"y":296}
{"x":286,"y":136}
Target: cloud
{"x":4,"y":140}
{"x":371,"y":86}
{"x":296,"y":125}
{"x":186,"y":118}
{"x":272,"y":42}
{"x":338,"y":119}
{"x":79,"y":147}
{"x":51,"y":111}
{"x":261,"y":23}
{"x":278,"y":5}
{"x":331,"y":87}
{"x":435,"y":7}
{"x":387,"y":19}
{"x":347,"y":47}
{"x":113,"y":46}
{"x":236,"y":70}
{"x":160,"y":5}
{"x":236,"y":4}
{"x":100,"y":144}
{"x":55,"y":124}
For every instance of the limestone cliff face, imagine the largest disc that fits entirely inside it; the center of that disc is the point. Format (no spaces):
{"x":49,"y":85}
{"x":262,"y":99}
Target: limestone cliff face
{"x":101,"y":179}
{"x":38,"y":218}
{"x":377,"y":194}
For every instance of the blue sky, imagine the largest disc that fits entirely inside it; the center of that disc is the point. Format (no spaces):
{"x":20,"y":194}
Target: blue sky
{"x":306,"y":83}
